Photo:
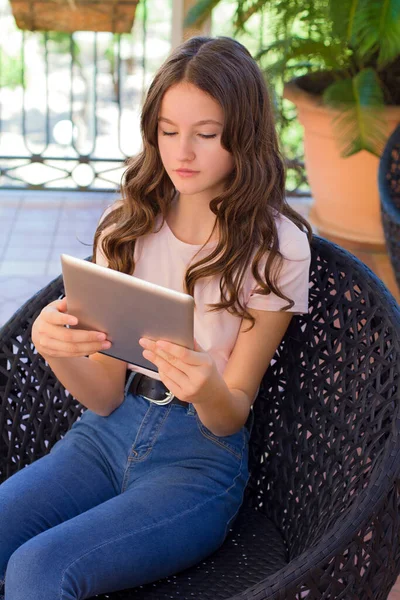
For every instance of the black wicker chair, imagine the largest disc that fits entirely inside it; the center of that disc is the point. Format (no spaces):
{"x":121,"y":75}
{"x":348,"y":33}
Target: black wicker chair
{"x":321,"y":512}
{"x":389,"y":191}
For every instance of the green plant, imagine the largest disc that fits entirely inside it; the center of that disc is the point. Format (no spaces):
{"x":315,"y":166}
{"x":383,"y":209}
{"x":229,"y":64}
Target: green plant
{"x":59,"y":42}
{"x":10,"y":71}
{"x":345,"y":51}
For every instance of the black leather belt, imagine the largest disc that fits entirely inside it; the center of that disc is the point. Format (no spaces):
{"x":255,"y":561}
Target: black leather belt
{"x":153,"y":389}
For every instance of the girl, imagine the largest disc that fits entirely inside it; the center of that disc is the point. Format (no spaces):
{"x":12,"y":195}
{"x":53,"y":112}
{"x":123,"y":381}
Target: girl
{"x":141,"y":488}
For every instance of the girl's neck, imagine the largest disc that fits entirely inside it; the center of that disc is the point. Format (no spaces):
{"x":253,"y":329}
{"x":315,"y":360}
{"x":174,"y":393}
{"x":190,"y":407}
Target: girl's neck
{"x":191,"y":222}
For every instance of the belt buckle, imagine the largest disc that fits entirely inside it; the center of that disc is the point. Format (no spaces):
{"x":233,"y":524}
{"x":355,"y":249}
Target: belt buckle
{"x":168,"y":398}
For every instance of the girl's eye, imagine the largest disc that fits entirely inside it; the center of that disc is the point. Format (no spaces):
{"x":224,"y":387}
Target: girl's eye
{"x":207,"y":137}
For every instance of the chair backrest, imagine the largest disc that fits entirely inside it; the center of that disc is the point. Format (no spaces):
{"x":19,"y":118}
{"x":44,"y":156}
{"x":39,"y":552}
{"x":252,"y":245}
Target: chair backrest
{"x":325,"y":415}
{"x":389,"y":192}
{"x":35,"y":409}
{"x":327,"y":412}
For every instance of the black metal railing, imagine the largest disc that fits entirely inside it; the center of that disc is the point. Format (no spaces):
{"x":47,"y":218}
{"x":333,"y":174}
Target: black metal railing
{"x":70,"y":103}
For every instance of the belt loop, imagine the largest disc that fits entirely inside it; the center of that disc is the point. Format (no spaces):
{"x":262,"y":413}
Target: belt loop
{"x":191,"y":409}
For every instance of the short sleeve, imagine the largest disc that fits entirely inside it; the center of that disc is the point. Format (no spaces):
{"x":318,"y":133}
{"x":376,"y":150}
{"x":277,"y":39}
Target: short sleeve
{"x":98,"y":255}
{"x":293,"y":279}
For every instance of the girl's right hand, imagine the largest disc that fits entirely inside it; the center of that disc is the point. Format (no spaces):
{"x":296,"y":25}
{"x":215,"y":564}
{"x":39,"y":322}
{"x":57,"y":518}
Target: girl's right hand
{"x":51,"y":338}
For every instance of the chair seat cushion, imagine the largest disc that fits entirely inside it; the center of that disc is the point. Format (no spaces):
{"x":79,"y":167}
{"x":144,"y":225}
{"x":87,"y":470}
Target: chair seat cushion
{"x":253,"y":550}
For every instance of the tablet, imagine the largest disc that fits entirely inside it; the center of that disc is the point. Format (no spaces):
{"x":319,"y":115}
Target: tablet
{"x":126,"y":308}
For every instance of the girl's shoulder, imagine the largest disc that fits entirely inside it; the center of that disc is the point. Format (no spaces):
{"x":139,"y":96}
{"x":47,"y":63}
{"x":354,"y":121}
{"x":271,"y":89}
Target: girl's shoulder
{"x":293,"y":241}
{"x":99,"y":257}
{"x":110,"y":208}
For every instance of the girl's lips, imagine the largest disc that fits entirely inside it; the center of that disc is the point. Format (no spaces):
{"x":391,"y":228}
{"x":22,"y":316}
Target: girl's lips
{"x":187,"y":173}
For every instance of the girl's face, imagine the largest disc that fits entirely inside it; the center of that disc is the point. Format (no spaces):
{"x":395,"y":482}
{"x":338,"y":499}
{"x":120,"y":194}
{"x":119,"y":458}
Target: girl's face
{"x":185,"y":142}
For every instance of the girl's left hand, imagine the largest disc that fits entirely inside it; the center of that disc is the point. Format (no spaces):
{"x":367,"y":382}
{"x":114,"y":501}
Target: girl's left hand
{"x":191,"y":375}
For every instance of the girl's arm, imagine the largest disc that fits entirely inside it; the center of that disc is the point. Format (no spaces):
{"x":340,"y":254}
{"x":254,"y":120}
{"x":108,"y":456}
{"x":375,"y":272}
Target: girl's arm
{"x":222,"y":402}
{"x":247,"y":364}
{"x":95,"y":384}
{"x":227,"y":412}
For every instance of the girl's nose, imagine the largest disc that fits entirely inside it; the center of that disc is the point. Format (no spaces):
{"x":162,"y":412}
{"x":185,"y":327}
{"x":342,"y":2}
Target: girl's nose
{"x":185,"y":150}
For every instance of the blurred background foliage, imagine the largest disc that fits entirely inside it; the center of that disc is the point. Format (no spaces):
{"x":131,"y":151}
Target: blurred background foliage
{"x":346,"y":52}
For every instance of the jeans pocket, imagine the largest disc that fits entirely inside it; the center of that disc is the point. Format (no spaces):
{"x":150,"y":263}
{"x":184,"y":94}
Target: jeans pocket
{"x":234,"y":443}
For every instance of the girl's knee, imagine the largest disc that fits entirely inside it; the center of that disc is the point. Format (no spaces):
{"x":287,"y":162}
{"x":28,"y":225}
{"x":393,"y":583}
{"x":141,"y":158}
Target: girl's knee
{"x":23,"y":569}
{"x":32,"y":573}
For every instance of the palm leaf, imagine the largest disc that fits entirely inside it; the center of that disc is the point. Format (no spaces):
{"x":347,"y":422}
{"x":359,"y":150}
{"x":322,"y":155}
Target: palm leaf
{"x":315,"y":49}
{"x":360,"y":124}
{"x":343,"y":14}
{"x":241,"y":16}
{"x":377,"y":26}
{"x":295,"y":47}
{"x":199,"y":13}
{"x":275,"y":70}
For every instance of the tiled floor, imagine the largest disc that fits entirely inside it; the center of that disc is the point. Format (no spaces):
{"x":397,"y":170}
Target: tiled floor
{"x":36,"y":227}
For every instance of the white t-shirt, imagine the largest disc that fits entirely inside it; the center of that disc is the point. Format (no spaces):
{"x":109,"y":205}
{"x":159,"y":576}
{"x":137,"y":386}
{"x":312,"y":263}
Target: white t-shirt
{"x":162,"y":258}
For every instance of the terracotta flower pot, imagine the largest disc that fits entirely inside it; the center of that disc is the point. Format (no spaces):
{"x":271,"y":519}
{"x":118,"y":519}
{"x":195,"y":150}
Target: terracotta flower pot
{"x":345,"y":190}
{"x":74,"y":15}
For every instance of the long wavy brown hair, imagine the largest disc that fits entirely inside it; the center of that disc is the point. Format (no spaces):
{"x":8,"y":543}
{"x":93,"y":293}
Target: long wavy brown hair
{"x":224,"y":69}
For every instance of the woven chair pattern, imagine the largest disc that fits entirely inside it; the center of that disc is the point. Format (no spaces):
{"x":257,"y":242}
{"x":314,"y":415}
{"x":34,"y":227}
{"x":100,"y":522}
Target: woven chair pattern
{"x":324,"y":451}
{"x":389,"y":191}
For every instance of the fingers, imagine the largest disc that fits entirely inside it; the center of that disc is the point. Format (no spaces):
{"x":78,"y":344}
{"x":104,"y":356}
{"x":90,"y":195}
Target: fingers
{"x":51,"y":313}
{"x":55,"y":339}
{"x":60,"y":304}
{"x":181,"y":353}
{"x":60,"y":348}
{"x":74,"y":335}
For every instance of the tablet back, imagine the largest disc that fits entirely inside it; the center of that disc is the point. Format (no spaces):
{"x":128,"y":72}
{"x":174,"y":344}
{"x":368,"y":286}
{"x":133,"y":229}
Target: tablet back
{"x":126,"y":308}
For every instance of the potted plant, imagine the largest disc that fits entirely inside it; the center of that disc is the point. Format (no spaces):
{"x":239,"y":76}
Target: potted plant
{"x":346,"y":58}
{"x":74,"y":15}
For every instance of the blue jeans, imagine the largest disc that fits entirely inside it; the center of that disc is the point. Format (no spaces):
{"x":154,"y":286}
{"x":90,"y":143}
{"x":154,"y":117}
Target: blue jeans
{"x":118,"y":502}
